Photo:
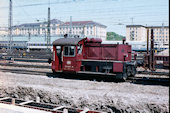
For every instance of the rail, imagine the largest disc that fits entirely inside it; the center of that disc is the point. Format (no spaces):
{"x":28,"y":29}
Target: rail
{"x":25,"y":59}
{"x":44,"y":106}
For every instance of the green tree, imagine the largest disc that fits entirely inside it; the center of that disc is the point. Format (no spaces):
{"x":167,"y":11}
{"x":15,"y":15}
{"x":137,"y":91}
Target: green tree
{"x":114,"y":36}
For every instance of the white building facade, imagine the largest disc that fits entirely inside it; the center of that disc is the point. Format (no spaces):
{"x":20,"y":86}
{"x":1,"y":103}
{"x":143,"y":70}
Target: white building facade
{"x":37,"y":28}
{"x":136,"y":33}
{"x":57,"y":27}
{"x":3,"y":31}
{"x":139,"y":33}
{"x":84,"y":29}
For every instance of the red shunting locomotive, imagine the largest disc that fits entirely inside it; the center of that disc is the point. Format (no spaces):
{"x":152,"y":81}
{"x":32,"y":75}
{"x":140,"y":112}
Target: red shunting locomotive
{"x":90,"y":56}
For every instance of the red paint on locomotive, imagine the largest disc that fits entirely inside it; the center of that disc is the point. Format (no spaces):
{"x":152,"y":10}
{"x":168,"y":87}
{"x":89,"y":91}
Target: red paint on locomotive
{"x":89,"y":55}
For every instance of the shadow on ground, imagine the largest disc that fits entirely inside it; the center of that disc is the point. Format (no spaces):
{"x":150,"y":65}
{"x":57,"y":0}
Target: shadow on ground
{"x":99,"y":78}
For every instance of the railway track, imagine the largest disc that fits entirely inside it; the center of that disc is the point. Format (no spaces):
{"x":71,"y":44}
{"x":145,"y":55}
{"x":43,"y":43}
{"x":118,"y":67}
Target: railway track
{"x":49,"y":67}
{"x":149,"y":81}
{"x":135,"y":80}
{"x":153,"y":73}
{"x":24,"y":71}
{"x":138,"y":80}
{"x":25,"y":65}
{"x":44,"y":106}
{"x":25,"y":60}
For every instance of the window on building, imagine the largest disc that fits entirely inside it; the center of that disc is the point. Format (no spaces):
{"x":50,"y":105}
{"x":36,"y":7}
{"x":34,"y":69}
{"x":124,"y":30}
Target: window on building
{"x":132,"y":35}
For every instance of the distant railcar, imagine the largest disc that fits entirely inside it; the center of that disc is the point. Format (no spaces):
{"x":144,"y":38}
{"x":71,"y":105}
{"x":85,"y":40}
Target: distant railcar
{"x":162,"y":60}
{"x":15,"y":44}
{"x":76,"y":55}
{"x":38,"y":46}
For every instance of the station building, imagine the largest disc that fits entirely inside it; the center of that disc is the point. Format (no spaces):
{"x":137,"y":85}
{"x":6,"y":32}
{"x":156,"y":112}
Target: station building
{"x":59,"y":28}
{"x":37,"y":28}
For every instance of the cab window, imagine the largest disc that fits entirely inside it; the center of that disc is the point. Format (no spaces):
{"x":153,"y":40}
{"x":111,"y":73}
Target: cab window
{"x":69,"y":51}
{"x":79,"y":49}
{"x":58,"y":49}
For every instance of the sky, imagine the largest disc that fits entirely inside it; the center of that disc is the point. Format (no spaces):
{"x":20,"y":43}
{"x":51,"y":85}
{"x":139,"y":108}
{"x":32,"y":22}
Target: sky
{"x":115,"y":14}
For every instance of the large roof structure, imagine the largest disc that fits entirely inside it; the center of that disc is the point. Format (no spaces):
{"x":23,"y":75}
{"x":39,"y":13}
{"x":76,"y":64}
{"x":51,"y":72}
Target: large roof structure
{"x":53,"y":21}
{"x":74,"y":23}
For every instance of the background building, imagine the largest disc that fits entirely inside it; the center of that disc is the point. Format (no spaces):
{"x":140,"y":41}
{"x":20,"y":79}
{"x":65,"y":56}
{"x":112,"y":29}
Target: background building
{"x":139,"y":33}
{"x":84,"y":29}
{"x":54,"y":27}
{"x":136,"y":33}
{"x":161,"y":36}
{"x":3,"y":31}
{"x":37,"y":28}
{"x":81,"y":28}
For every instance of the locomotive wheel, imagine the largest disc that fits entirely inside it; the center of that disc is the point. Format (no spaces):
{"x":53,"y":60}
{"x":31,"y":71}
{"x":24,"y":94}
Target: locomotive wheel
{"x":129,"y":71}
{"x":133,"y":73}
{"x":54,"y":72}
{"x":121,"y":76}
{"x":124,"y":76}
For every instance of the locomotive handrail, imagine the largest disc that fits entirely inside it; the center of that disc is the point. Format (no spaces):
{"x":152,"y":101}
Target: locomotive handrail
{"x":101,"y":60}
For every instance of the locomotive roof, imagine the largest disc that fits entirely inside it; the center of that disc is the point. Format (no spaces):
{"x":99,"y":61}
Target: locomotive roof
{"x":67,"y":41}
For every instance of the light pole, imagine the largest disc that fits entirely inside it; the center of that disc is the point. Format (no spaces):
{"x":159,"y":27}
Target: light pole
{"x":10,"y":28}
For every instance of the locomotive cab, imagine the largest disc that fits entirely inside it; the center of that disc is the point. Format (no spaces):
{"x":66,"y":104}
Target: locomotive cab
{"x":67,"y":53}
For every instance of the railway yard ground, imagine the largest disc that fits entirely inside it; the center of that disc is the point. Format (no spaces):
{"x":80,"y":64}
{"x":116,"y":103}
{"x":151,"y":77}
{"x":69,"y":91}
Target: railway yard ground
{"x":29,"y":81}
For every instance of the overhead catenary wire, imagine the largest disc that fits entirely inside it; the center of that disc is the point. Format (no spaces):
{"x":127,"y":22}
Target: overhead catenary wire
{"x":108,"y":13}
{"x":142,"y":6}
{"x":68,"y":2}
